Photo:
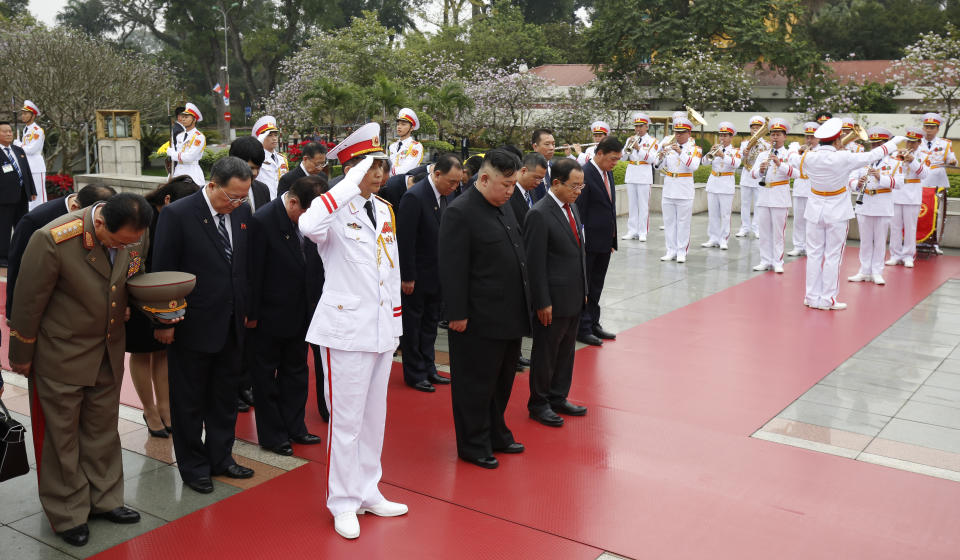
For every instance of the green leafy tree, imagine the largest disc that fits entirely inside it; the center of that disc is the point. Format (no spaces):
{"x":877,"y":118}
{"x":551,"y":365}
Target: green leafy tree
{"x":88,"y":15}
{"x":11,"y":9}
{"x":868,"y":30}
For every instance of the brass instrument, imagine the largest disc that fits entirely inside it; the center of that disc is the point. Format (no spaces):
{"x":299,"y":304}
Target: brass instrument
{"x":716,"y":150}
{"x":755,"y":145}
{"x":668,"y":143}
{"x":857,"y":133}
{"x":635,"y":139}
{"x":695,"y":117}
{"x":581,"y":145}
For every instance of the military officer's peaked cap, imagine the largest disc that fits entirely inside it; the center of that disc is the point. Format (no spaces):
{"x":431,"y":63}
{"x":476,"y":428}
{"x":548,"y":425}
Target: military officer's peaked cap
{"x":364,"y":140}
{"x":31,"y":107}
{"x":914,"y":133}
{"x":409,"y":116}
{"x":933,"y":119}
{"x":264,"y":126}
{"x":193,"y":111}
{"x":162,"y":294}
{"x":830,"y":130}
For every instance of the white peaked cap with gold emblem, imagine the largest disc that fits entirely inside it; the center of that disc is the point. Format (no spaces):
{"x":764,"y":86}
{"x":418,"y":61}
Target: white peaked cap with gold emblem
{"x":193,"y":111}
{"x":364,"y":140}
{"x":408,"y":115}
{"x":264,"y":126}
{"x":32,"y":107}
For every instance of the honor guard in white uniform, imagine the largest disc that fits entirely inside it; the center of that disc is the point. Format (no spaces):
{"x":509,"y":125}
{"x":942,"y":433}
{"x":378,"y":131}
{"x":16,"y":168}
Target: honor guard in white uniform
{"x":406,"y":153}
{"x":677,"y":161}
{"x":748,"y":184}
{"x":829,"y":208}
{"x":275,"y":164}
{"x":31,"y":140}
{"x":640,"y":152}
{"x":851,"y":146}
{"x":599,"y":130}
{"x":773,"y":173}
{"x":906,"y":203}
{"x":875,"y":185}
{"x":801,"y":191}
{"x":357,"y":324}
{"x":724,"y":159}
{"x":936,"y":153}
{"x":188,"y":146}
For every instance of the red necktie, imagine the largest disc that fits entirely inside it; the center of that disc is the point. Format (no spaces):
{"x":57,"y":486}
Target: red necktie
{"x":606,"y":183}
{"x":573,"y":223}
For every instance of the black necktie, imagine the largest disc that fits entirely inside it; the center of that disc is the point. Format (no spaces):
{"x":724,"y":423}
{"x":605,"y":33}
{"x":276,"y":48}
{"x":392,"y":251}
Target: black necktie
{"x":224,"y":236}
{"x":443,"y":203}
{"x":370,"y":214}
{"x":929,"y":145}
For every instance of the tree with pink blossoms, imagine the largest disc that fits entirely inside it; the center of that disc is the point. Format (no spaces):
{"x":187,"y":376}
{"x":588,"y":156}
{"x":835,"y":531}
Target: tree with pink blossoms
{"x":931,"y":67}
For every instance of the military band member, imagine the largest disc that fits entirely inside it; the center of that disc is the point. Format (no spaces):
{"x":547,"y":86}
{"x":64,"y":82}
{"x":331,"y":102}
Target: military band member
{"x":677,"y":161}
{"x":724,"y":160}
{"x":823,"y":116}
{"x":876,"y":182}
{"x":188,"y":146}
{"x":31,"y":140}
{"x":906,"y":203}
{"x":801,"y":191}
{"x":829,"y":208}
{"x":748,"y":184}
{"x":936,"y":152}
{"x":640,"y":152}
{"x":773,"y":173}
{"x":274,"y":163}
{"x":406,"y":153}
{"x":357,"y":324}
{"x":599,"y":130}
{"x":853,"y":145}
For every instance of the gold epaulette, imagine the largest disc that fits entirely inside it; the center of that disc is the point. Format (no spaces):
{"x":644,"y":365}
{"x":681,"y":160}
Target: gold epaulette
{"x":21,"y":338}
{"x":383,"y":200}
{"x":69,"y":230}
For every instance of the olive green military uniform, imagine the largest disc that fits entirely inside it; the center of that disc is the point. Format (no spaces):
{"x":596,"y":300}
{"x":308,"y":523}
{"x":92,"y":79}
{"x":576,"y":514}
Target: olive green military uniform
{"x":69,"y":322}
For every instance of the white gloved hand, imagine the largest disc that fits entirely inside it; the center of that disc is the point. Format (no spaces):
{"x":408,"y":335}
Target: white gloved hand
{"x":172,"y":153}
{"x":357,"y":172}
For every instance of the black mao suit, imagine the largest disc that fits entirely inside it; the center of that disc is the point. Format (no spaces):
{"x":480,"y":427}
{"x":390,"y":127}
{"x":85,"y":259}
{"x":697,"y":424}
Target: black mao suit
{"x":598,"y":210}
{"x":204,"y":359}
{"x":483,"y":272}
{"x":16,"y":189}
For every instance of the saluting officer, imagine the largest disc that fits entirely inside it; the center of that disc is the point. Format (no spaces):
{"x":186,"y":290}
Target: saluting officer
{"x":188,"y":146}
{"x":724,"y":160}
{"x":31,"y":140}
{"x":274,"y":163}
{"x":406,"y":153}
{"x":357,"y":324}
{"x":773,"y":173}
{"x":640,"y":154}
{"x":906,"y":203}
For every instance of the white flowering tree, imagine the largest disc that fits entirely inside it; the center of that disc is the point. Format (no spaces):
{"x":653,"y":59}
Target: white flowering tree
{"x":503,"y":100}
{"x":857,"y":94}
{"x":572,"y":114}
{"x":931,"y":67}
{"x":702,"y":78}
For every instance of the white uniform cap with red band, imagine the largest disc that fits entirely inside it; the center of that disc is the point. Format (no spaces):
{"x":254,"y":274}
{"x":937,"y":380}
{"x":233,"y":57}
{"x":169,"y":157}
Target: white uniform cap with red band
{"x":677,"y":114}
{"x":727,"y":127}
{"x":364,"y":140}
{"x":914,"y":134}
{"x":830,"y":130}
{"x":847,"y":123}
{"x":408,"y":115}
{"x":682,"y":124}
{"x":32,"y":107}
{"x":878,"y":134}
{"x":192,"y":110}
{"x":933,"y":119}
{"x":641,"y":118}
{"x":600,"y":127}
{"x":264,"y":126}
{"x":757,"y":119}
{"x":779,"y":124}
{"x":810,"y":127}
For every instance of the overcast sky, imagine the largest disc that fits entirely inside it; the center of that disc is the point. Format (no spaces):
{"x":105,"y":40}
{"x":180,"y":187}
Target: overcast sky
{"x":46,"y":10}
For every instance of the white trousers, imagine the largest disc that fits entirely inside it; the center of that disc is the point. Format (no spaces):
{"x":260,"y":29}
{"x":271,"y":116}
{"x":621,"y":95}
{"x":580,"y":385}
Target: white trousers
{"x":356,"y":395}
{"x":799,"y":223}
{"x":719,"y":207}
{"x":773,"y":225}
{"x":873,"y":243}
{"x":825,"y":243}
{"x":903,"y":231}
{"x":676,"y":221}
{"x":748,"y":204}
{"x":40,"y":182}
{"x":638,"y":208}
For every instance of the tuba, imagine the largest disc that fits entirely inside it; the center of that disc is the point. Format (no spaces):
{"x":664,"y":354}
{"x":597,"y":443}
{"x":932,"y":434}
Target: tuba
{"x":858,"y":133}
{"x":694,"y":116}
{"x":755,"y":145}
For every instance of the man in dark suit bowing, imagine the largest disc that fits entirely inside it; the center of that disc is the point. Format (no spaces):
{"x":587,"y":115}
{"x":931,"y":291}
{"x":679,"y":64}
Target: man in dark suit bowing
{"x":418,"y":230}
{"x":531,"y":174}
{"x":16,"y":187}
{"x":313,"y":161}
{"x":558,"y":284}
{"x":486,"y":299}
{"x":598,"y":210}
{"x":205,"y":234}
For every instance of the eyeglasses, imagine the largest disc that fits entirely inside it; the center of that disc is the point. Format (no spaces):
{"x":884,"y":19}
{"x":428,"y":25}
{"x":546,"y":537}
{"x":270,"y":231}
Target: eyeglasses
{"x":576,"y":188}
{"x":236,"y":201}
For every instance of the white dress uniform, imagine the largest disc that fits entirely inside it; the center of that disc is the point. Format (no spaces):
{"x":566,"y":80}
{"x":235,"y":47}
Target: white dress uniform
{"x":678,"y":194}
{"x":274,"y":165}
{"x":721,"y":186}
{"x":801,"y":191}
{"x":357,"y":324}
{"x":748,"y":193}
{"x":906,"y":209}
{"x":597,"y":127}
{"x":405,"y":155}
{"x":935,"y":154}
{"x":773,"y":204}
{"x":829,"y":208}
{"x":187,"y":149}
{"x":853,"y":147}
{"x":638,"y":178}
{"x":31,"y":140}
{"x":873,"y":216}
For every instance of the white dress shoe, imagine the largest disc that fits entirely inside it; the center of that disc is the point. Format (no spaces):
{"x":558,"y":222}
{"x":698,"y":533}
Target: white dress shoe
{"x":809,"y":304}
{"x":761,"y":267}
{"x":858,"y":277}
{"x":709,"y":244}
{"x":681,"y":258}
{"x":892,"y":262}
{"x":908,"y":264}
{"x":778,"y":268}
{"x":628,"y":236}
{"x":723,"y":245}
{"x":756,"y":235}
{"x":835,"y":307}
{"x":878,"y":280}
{"x":347,"y":525}
{"x":662,"y":227}
{"x":740,"y":233}
{"x":384,"y":509}
{"x":641,"y":237}
{"x":795,"y":253}
{"x":668,"y":257}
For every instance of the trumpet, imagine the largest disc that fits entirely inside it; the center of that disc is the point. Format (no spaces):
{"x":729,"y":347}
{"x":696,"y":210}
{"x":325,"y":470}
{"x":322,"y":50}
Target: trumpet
{"x":668,"y":143}
{"x":715,"y":151}
{"x":632,"y":143}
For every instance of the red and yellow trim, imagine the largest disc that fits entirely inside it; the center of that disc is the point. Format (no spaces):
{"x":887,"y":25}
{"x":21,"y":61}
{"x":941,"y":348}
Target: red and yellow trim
{"x":192,"y":113}
{"x":837,"y":192}
{"x":265,"y":128}
{"x":359,"y":149}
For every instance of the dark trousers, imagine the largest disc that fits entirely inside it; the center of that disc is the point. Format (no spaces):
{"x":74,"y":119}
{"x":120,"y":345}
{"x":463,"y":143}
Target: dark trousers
{"x":551,"y":362}
{"x":482,"y":372}
{"x":281,"y":379}
{"x":597,"y":264}
{"x":318,"y":381}
{"x":10,"y":214}
{"x":421,"y":314}
{"x":203,"y":394}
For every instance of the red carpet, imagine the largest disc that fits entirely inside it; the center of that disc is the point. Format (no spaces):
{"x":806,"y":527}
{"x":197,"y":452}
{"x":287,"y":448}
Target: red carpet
{"x":661,"y":467}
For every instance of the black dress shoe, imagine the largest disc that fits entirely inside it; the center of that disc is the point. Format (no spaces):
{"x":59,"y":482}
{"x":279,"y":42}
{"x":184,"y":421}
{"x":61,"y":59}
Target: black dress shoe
{"x":156,"y":433}
{"x":203,"y":485}
{"x":424,"y":386}
{"x":237,"y":471}
{"x":282,"y":449}
{"x":485,"y":462}
{"x":78,"y":536}
{"x":121,"y":514}
{"x":602,"y":334}
{"x":246,"y":395}
{"x":307,"y":439}
{"x":242,"y":406}
{"x":547,"y":418}
{"x":514,"y":447}
{"x":569,"y":409}
{"x":590,"y":339}
{"x":438,"y":379}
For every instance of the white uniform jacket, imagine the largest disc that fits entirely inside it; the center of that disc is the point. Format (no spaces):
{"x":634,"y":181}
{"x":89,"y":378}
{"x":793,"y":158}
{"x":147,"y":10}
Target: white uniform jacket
{"x":829,"y":171}
{"x":31,"y":141}
{"x":723,"y":168}
{"x":585,"y":156}
{"x":640,"y":160}
{"x":912,"y":190}
{"x":935,"y":154}
{"x":186,"y":155}
{"x":878,"y":193}
{"x":746,"y":179}
{"x":405,"y":155}
{"x":677,"y":170}
{"x":274,"y":166}
{"x":801,"y":184}
{"x":360,"y":307}
{"x":775,"y":193}
{"x":853,"y":147}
